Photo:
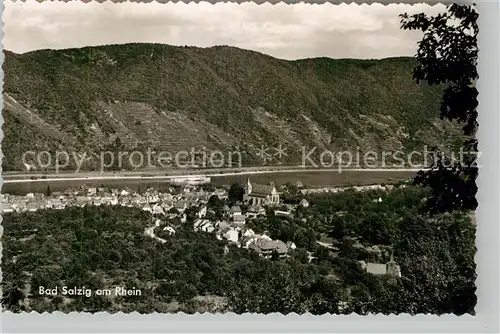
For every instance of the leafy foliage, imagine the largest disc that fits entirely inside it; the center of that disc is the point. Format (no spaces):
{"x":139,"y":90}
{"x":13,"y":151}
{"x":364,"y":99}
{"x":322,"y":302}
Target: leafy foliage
{"x":105,"y":247}
{"x":235,"y":193}
{"x":447,"y":55}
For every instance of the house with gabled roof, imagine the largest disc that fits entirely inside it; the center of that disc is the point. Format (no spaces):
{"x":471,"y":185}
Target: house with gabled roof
{"x":239,"y":219}
{"x":246,"y":241}
{"x":247,"y":232}
{"x":202,"y":212}
{"x":255,"y":211}
{"x":203,"y":225}
{"x":280,"y":213}
{"x":236,"y":209}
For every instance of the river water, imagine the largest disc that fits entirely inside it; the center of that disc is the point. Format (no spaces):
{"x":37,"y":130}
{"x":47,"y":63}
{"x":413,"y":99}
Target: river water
{"x":309,"y":179}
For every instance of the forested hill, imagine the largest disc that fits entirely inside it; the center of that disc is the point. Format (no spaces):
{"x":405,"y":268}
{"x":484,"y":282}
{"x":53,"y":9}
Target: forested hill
{"x":174,"y":98}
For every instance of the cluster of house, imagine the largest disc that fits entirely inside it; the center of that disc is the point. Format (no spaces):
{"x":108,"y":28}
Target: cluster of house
{"x":235,"y":231}
{"x":152,"y":200}
{"x":387,"y":187}
{"x":233,"y":227}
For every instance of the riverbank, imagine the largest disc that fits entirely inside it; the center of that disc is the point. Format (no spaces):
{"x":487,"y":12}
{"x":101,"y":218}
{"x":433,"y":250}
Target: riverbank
{"x":311,"y":178}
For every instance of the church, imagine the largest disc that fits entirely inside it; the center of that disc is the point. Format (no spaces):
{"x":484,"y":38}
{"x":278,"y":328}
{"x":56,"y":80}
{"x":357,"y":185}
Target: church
{"x":260,"y":194}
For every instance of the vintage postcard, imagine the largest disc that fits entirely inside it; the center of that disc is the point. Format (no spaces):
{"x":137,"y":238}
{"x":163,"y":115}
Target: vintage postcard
{"x":239,"y":158}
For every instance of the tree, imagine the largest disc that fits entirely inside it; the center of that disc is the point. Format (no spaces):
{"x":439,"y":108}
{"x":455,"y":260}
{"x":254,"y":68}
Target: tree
{"x":118,"y":142}
{"x":215,"y":202}
{"x":235,"y":193}
{"x":48,"y":192}
{"x":447,"y":56}
{"x":13,"y":285}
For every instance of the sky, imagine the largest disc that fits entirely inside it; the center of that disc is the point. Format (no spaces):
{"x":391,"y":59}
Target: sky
{"x":281,"y":30}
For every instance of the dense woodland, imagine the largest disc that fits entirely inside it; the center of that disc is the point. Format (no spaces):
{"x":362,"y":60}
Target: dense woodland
{"x":105,"y":247}
{"x":358,"y":103}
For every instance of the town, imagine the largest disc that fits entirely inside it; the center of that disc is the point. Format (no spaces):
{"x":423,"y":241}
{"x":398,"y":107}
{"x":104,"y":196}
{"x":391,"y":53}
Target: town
{"x":169,"y":209}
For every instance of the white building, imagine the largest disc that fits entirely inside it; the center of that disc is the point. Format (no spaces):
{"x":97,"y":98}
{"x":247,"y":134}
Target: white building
{"x":157,"y":210}
{"x":203,"y":212}
{"x":7,"y":208}
{"x":230,"y":235}
{"x":389,"y":268}
{"x":207,"y":227}
{"x":169,"y":229}
{"x":255,"y":211}
{"x":199,"y":223}
{"x":112,"y":201}
{"x":239,"y":219}
{"x":248,"y":233}
{"x":235,"y":210}
{"x":280,"y":213}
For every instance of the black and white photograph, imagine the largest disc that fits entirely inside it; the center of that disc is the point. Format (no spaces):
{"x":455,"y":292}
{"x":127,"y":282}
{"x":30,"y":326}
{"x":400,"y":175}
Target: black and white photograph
{"x":242,"y":158}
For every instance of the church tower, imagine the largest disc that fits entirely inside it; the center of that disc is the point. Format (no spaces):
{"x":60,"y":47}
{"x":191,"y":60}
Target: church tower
{"x":248,"y":187}
{"x":248,"y":191}
{"x":392,"y":268}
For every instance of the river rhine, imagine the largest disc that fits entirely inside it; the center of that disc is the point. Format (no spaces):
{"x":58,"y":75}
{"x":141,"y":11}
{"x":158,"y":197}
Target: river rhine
{"x":308,"y":178}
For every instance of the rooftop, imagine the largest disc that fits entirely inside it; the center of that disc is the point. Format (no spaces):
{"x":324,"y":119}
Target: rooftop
{"x":261,"y":189}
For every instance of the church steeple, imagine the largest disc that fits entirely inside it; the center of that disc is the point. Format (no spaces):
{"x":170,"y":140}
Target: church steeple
{"x":392,"y":268}
{"x":249,"y":186}
{"x":248,"y":190}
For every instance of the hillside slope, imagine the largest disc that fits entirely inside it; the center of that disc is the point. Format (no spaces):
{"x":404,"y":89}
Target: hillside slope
{"x":170,"y":98}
